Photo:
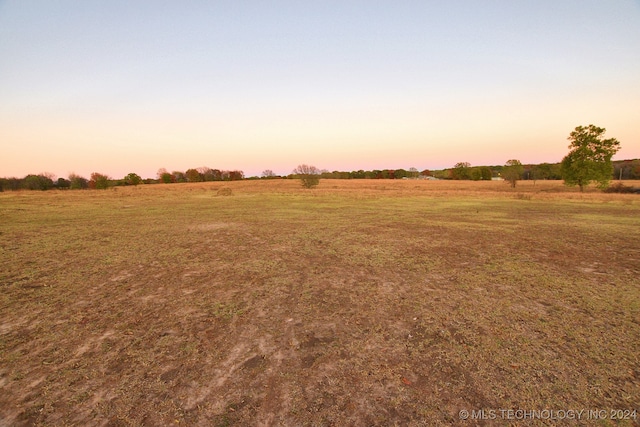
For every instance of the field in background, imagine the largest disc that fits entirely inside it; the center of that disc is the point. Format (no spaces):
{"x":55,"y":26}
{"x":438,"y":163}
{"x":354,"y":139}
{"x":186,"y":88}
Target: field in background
{"x":355,"y":303}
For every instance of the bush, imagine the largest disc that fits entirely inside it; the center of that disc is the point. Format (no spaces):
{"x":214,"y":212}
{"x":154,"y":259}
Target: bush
{"x":309,"y":175}
{"x":37,"y":182}
{"x":621,"y":188}
{"x":99,"y":181}
{"x":78,"y":182}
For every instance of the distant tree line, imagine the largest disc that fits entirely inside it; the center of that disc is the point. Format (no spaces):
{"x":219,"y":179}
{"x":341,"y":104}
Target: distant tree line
{"x":461,"y":171}
{"x":374,"y":174}
{"x":464,"y":171}
{"x":47,"y":181}
{"x":359,"y":174}
{"x":201,"y":174}
{"x":622,"y":170}
{"x":626,"y":169}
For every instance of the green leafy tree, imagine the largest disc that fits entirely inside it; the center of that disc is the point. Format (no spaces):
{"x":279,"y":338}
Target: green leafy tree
{"x":399,"y":174}
{"x":556,"y":171}
{"x":132,"y":179}
{"x":308,"y":175}
{"x":475,"y":174}
{"x":512,"y":172}
{"x":589,"y":158}
{"x":541,"y":171}
{"x":461,"y":170}
{"x":485,"y":173}
{"x":43,"y":181}
{"x":442,"y":174}
{"x":359,"y":174}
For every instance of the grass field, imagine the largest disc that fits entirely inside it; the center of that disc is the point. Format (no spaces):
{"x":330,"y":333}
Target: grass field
{"x":356,"y":303}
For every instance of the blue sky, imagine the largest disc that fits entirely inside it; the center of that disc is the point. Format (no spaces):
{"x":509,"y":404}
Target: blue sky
{"x":133,"y":86}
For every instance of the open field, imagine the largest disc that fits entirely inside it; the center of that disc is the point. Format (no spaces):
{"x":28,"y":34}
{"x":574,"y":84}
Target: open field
{"x":356,"y":303}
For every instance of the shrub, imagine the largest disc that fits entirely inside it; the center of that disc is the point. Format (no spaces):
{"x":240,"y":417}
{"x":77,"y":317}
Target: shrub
{"x":308,"y":175}
{"x":621,"y":188}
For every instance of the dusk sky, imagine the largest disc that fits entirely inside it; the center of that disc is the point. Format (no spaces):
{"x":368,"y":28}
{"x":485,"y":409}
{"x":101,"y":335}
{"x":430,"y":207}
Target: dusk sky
{"x":134,"y":86}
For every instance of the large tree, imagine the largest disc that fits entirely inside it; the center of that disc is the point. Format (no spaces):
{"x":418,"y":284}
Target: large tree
{"x":589,"y":158}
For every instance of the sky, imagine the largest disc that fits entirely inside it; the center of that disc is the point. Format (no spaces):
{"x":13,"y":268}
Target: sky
{"x":124,"y":86}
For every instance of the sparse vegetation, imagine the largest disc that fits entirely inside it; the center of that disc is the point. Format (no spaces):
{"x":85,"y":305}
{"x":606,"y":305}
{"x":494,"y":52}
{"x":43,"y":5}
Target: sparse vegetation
{"x":360,"y":303}
{"x":308,"y":175}
{"x":621,"y":188}
{"x":225,"y":191}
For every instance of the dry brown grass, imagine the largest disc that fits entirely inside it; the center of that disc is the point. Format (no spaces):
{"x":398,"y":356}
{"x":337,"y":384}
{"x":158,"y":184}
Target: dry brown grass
{"x":356,"y":303}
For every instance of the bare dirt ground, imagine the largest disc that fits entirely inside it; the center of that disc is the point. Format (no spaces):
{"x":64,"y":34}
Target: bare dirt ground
{"x":357,"y":303}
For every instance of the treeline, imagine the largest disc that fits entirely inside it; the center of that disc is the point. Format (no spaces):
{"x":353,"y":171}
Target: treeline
{"x":626,"y":169}
{"x":376,"y":174}
{"x":461,"y":171}
{"x":201,"y":174}
{"x":47,"y":181}
{"x":622,"y":169}
{"x":464,"y":171}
